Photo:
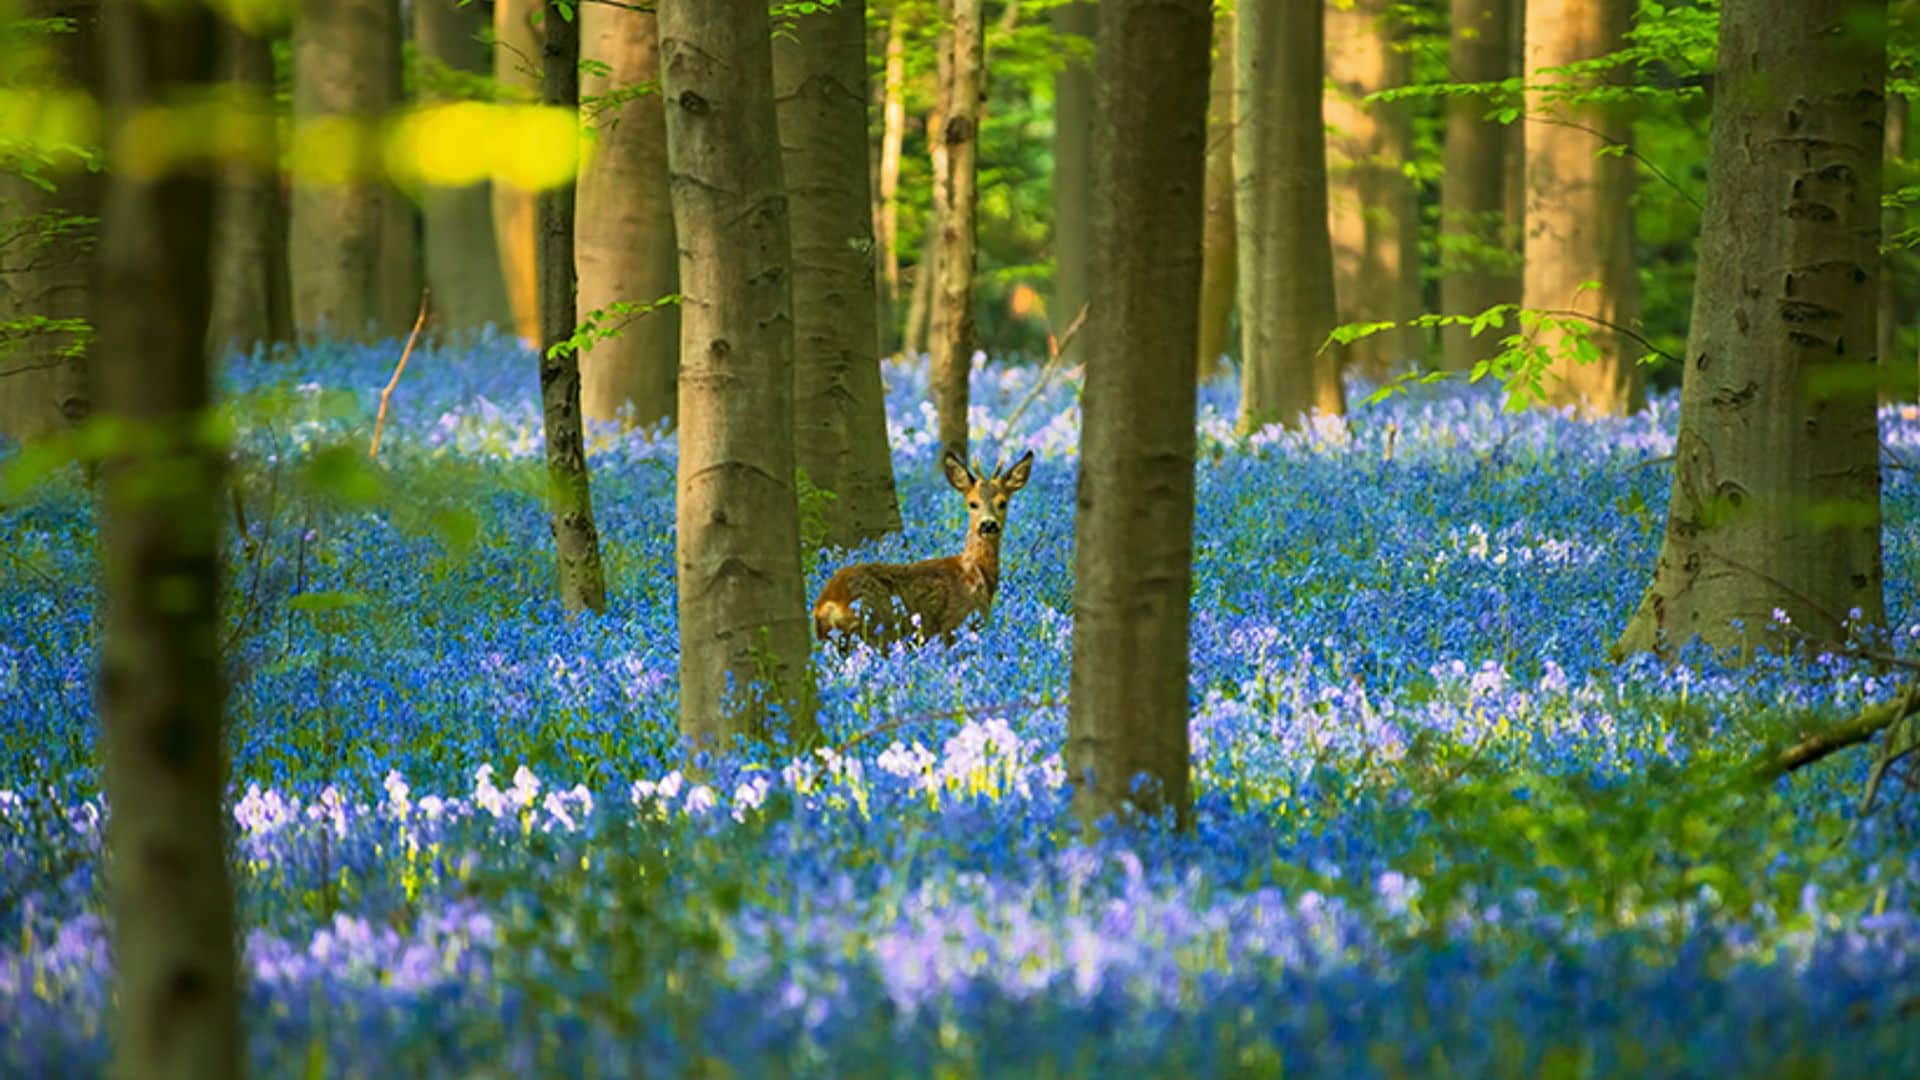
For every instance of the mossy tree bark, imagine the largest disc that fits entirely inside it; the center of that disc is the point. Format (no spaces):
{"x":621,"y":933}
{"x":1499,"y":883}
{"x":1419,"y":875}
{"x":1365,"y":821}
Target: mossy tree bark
{"x":625,"y":238}
{"x":744,"y":642}
{"x":1477,"y":263}
{"x":516,"y":70}
{"x":161,"y":698}
{"x":462,"y":253}
{"x":1133,"y":557}
{"x":840,"y":418}
{"x":1776,"y":491}
{"x":1280,"y":183}
{"x":1074,"y":25}
{"x":953,"y":335}
{"x":1219,"y":263}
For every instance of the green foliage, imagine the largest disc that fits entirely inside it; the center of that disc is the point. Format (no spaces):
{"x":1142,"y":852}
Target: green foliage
{"x":607,"y":323}
{"x":815,"y":505}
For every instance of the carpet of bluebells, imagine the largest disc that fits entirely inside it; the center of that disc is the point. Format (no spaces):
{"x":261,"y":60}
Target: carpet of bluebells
{"x":1438,"y":832}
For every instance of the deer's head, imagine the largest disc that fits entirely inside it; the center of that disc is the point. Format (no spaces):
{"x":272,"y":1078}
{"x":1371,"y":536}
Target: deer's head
{"x":987,"y":498}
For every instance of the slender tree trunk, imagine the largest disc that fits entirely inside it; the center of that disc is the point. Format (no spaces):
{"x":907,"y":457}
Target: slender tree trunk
{"x":1476,"y":271}
{"x":953,"y":335}
{"x":625,"y":234}
{"x":1219,"y":260}
{"x":893,"y":135}
{"x":463,"y":254}
{"x":1373,"y":219}
{"x":252,"y":301}
{"x":1072,"y":164}
{"x":920,"y":305}
{"x":1513,"y":182}
{"x":1894,"y":385}
{"x":840,"y":417}
{"x":743,"y":618}
{"x":913,"y":335}
{"x":161,"y":696}
{"x":1579,"y":225}
{"x":1133,"y":557}
{"x":45,"y":240}
{"x":401,"y":272}
{"x":1776,"y":492}
{"x":1286,"y":257}
{"x":516,"y":68}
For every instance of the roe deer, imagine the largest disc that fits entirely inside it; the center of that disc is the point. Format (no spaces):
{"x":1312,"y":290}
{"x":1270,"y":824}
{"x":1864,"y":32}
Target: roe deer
{"x":879,"y":603}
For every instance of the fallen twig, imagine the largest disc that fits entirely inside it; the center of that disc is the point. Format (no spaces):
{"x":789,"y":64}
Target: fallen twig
{"x":1772,"y":765}
{"x":1055,"y":350}
{"x":380,"y":421}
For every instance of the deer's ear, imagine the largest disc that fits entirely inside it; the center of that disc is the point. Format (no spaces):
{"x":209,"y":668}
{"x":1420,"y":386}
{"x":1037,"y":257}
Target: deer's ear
{"x":957,"y":472}
{"x":1016,"y":477}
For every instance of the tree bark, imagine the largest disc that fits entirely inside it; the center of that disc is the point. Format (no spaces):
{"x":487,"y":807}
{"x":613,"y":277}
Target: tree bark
{"x":840,"y":417}
{"x":953,"y":336}
{"x":46,"y":238}
{"x":1133,"y":557}
{"x":252,"y":299}
{"x":401,"y":273}
{"x":1894,"y":384}
{"x":893,"y":135}
{"x":516,"y":68}
{"x":1476,"y":264}
{"x":742,"y":608}
{"x":1373,"y":220}
{"x":1072,"y":166}
{"x":1579,"y":225}
{"x":1280,"y":183}
{"x":462,"y":252}
{"x":1218,"y":256}
{"x":161,"y":697}
{"x":625,"y":233}
{"x":1776,"y":492}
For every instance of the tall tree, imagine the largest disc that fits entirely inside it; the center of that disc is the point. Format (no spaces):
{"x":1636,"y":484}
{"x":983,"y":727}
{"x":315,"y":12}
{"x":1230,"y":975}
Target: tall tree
{"x":583,"y":583}
{"x":1280,"y":181}
{"x":1074,"y":24}
{"x":1776,"y":489}
{"x":625,"y":234}
{"x":463,"y":254}
{"x":517,"y":75}
{"x":161,"y":697}
{"x":400,"y":274}
{"x":1218,"y":259}
{"x":840,"y":417}
{"x":893,"y":133}
{"x":1373,"y":218}
{"x":743,"y":617}
{"x":1133,"y":554}
{"x":953,"y":335}
{"x":1475,"y":259}
{"x":1579,"y":224}
{"x":252,"y":298}
{"x":48,"y":214}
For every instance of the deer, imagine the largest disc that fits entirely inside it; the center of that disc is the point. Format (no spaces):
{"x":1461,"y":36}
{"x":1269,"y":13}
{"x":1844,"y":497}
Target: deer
{"x":882,"y":603}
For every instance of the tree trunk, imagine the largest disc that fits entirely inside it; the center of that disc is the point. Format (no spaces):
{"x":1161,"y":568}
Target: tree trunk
{"x":401,"y":274}
{"x":893,"y":134}
{"x":839,"y":412}
{"x":1513,"y":179}
{"x":463,"y":254}
{"x":1218,"y":258}
{"x":1579,"y":226}
{"x":1280,"y":183}
{"x":625,"y":234}
{"x":161,"y":697}
{"x":45,"y":240}
{"x":953,"y":335}
{"x":913,"y":335}
{"x":1373,"y":220}
{"x":743,"y":617}
{"x":583,"y":583}
{"x":251,"y":298}
{"x":1776,"y":492}
{"x":1133,"y":559}
{"x":1896,"y":381}
{"x":1072,"y":165}
{"x":1476,"y":267}
{"x":516,"y":68}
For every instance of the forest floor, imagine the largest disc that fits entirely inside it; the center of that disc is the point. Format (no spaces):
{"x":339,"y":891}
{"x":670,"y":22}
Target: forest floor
{"x":1439,"y":833}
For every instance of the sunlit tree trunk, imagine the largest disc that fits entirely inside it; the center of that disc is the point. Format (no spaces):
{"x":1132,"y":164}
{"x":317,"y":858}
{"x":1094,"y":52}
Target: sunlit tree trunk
{"x":743,"y":617}
{"x":1373,"y":221}
{"x":840,"y":418}
{"x":1475,"y":263}
{"x":463,"y":255}
{"x":1776,"y":491}
{"x":1286,"y":257}
{"x":952,"y":335}
{"x":625,"y":233}
{"x":893,"y":133}
{"x":160,"y":692}
{"x":1579,"y":225}
{"x":1218,"y":259}
{"x":1073,"y":25}
{"x":516,"y":68}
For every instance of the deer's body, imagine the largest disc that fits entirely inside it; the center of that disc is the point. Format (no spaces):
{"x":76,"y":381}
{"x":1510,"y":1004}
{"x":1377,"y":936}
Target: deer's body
{"x":880,"y":603}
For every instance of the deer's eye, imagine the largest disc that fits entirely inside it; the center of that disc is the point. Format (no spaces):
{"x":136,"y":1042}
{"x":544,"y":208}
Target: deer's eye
{"x":1001,"y":503}
{"x":972,"y":505}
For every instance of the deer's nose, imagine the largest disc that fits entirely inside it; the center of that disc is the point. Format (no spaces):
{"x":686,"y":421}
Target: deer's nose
{"x":989,"y":527}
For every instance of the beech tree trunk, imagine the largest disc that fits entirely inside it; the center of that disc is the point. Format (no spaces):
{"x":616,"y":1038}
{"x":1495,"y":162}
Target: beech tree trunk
{"x":463,"y":254}
{"x":1579,"y":225}
{"x":1074,"y":24}
{"x":161,"y":698}
{"x":1776,"y":491}
{"x":516,"y":69}
{"x":1373,"y":220}
{"x":742,"y":607}
{"x":1477,"y":270}
{"x":893,"y":135}
{"x":401,"y":272}
{"x":1133,"y":556}
{"x":1895,"y":384}
{"x":1219,"y":264}
{"x":625,"y":234}
{"x":1280,"y":184}
{"x":840,"y":418}
{"x":252,"y":298}
{"x":952,"y":335}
